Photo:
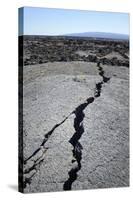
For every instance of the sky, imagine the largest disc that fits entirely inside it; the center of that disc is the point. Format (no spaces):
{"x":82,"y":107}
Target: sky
{"x":48,"y":21}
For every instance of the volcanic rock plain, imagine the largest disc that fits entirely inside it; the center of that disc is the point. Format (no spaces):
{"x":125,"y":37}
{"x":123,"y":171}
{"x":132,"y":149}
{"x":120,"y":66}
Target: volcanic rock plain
{"x":75,"y":113}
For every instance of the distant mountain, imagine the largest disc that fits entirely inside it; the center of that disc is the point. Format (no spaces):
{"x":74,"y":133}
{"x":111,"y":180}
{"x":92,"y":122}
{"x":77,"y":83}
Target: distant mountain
{"x":102,"y":35}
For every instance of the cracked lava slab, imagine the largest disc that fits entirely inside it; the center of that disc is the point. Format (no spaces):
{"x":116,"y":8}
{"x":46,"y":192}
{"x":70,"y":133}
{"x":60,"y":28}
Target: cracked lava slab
{"x":78,"y":123}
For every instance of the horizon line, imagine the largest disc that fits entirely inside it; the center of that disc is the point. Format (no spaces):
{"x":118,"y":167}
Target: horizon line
{"x":76,"y":33}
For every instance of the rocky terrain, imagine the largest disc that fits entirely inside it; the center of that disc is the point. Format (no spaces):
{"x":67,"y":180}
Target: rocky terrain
{"x":75,"y":114}
{"x":65,"y":49}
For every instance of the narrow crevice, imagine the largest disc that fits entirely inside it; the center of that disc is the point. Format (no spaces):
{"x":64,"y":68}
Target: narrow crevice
{"x":79,"y":130}
{"x":29,"y":174}
{"x":99,"y":85}
{"x":98,"y":89}
{"x":38,"y":156}
{"x":46,"y":137}
{"x":34,"y":153}
{"x":77,"y":147}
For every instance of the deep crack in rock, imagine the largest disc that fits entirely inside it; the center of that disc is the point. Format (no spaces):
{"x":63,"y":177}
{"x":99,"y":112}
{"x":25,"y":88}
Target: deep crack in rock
{"x":79,"y":130}
{"x":77,"y":147}
{"x":99,"y":85}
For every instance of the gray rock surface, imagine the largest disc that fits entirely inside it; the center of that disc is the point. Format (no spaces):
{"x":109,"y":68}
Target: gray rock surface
{"x":66,"y":100}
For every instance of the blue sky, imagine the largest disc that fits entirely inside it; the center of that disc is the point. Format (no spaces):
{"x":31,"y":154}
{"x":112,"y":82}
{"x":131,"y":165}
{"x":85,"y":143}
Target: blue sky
{"x":47,"y":21}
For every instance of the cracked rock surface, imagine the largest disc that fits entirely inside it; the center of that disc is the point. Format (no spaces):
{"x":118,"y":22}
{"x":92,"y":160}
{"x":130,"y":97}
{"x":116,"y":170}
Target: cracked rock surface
{"x":73,"y":137}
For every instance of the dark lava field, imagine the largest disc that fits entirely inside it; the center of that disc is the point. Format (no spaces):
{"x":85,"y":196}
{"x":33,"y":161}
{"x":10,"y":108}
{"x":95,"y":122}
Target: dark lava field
{"x":39,"y":50}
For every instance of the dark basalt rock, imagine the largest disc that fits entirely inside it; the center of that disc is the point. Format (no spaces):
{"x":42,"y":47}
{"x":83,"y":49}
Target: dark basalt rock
{"x":63,"y":49}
